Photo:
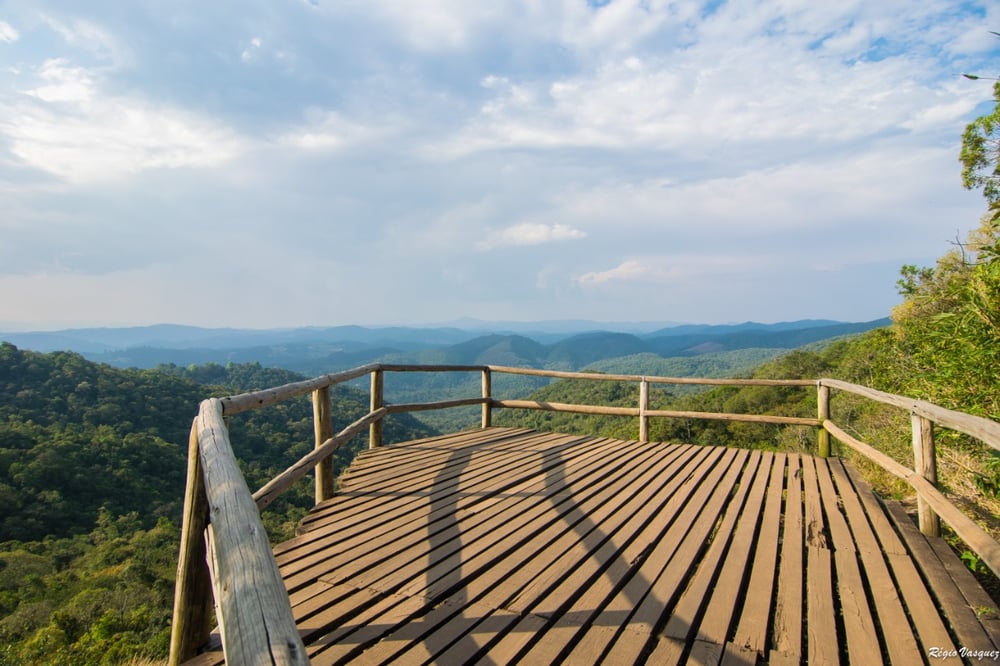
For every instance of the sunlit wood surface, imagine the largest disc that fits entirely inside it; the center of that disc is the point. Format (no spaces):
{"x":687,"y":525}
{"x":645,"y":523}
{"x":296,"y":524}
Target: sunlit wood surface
{"x":506,"y":545}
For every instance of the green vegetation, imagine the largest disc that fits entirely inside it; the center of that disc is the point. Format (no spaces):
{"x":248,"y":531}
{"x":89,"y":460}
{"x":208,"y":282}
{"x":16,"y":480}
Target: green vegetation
{"x":980,"y":155}
{"x":92,"y":463}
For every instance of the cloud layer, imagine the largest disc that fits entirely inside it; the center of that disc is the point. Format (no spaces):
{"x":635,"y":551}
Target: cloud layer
{"x":329,"y":162}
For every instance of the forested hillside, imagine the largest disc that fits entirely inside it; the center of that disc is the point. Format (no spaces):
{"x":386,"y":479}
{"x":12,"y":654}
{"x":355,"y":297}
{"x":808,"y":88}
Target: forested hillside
{"x":92,"y":463}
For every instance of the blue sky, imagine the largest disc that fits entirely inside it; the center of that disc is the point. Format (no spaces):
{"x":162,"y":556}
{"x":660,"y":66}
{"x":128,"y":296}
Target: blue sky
{"x":286,"y":163}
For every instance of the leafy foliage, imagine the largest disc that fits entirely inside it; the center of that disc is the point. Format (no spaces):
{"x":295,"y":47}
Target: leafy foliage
{"x":980,"y":154}
{"x":92,"y":463}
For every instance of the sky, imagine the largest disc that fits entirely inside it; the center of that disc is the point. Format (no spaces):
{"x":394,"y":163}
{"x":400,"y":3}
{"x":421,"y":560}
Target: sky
{"x":323,"y":162}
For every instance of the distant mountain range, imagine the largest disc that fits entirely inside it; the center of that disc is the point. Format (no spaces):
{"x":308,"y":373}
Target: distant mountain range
{"x":313,"y":350}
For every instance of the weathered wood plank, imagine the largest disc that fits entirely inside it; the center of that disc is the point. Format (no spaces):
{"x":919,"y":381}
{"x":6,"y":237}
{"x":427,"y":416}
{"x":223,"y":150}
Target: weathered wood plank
{"x":372,"y":516}
{"x":623,"y":524}
{"x":901,"y":645}
{"x":561,"y":597}
{"x":255,"y":619}
{"x":400,"y":559}
{"x":752,"y":630}
{"x":789,"y":601}
{"x":961,"y":618}
{"x":822,"y":643}
{"x":855,"y":612}
{"x":640,"y":604}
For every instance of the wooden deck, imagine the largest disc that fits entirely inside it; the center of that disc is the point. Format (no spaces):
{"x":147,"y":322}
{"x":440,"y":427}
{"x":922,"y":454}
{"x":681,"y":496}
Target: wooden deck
{"x":506,"y":545}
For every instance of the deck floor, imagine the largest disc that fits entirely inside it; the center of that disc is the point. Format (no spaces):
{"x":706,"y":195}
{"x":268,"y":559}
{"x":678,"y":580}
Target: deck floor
{"x":507,"y":545}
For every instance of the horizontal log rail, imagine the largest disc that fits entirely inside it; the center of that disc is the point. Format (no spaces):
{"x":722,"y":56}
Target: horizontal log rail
{"x":983,"y":429}
{"x":223,"y":539}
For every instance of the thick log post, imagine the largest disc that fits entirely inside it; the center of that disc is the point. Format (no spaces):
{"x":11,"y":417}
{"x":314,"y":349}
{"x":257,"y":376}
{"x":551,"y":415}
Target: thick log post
{"x":643,"y":408}
{"x":254,"y":613}
{"x":193,"y":607}
{"x":375,"y":429}
{"x":487,"y":395}
{"x":323,"y":427}
{"x":823,"y":413}
{"x":925,"y":464}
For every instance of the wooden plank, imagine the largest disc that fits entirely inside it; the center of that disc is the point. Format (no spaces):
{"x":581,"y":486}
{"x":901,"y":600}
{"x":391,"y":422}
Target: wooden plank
{"x":450,"y":628}
{"x":752,"y":630}
{"x":432,"y":465}
{"x":983,"y":607}
{"x":626,"y":522}
{"x":788,"y":625}
{"x":520,"y":515}
{"x":704,"y":612}
{"x":960,"y":616}
{"x":387,"y":522}
{"x":584,"y":587}
{"x":352,"y":635}
{"x":609,"y":565}
{"x":675,"y":639}
{"x":573,"y":540}
{"x":378,"y":521}
{"x":396,"y":566}
{"x":411,"y":486}
{"x":603,"y":515}
{"x":576,"y":549}
{"x":392,"y":466}
{"x":641,"y":602}
{"x":859,"y":624}
{"x":821,"y":624}
{"x":900,"y":642}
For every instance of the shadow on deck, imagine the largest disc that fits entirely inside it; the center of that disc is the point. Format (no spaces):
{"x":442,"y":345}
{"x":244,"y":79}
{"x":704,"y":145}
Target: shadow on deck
{"x":506,"y":545}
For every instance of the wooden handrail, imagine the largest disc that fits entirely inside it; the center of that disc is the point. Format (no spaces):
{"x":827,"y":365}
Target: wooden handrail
{"x":256,"y":399}
{"x":244,"y":576}
{"x":279,"y":484}
{"x":252,"y":607}
{"x":981,"y":428}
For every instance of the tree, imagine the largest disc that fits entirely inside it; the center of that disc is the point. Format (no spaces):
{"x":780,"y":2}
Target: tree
{"x":980,"y":154}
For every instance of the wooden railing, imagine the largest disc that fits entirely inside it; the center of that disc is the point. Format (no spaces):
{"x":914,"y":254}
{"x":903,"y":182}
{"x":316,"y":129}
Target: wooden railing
{"x":225,"y":552}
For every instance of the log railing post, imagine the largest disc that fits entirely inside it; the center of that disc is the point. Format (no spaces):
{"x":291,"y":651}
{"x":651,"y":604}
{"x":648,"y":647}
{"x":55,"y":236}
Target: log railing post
{"x":643,"y":408}
{"x":925,"y":464}
{"x":375,"y":429}
{"x":323,"y":427}
{"x":487,"y":396}
{"x":823,"y":413}
{"x":193,"y":607}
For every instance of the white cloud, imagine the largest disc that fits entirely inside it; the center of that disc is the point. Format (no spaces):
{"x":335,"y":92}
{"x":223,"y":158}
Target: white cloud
{"x":64,"y":83}
{"x":751,"y":72}
{"x":7,"y":33}
{"x":672,"y":269}
{"x":528,"y":233}
{"x":90,"y":36}
{"x":691,"y":148}
{"x":70,"y":127}
{"x":330,"y":130}
{"x":251,"y":50}
{"x":629,"y":270}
